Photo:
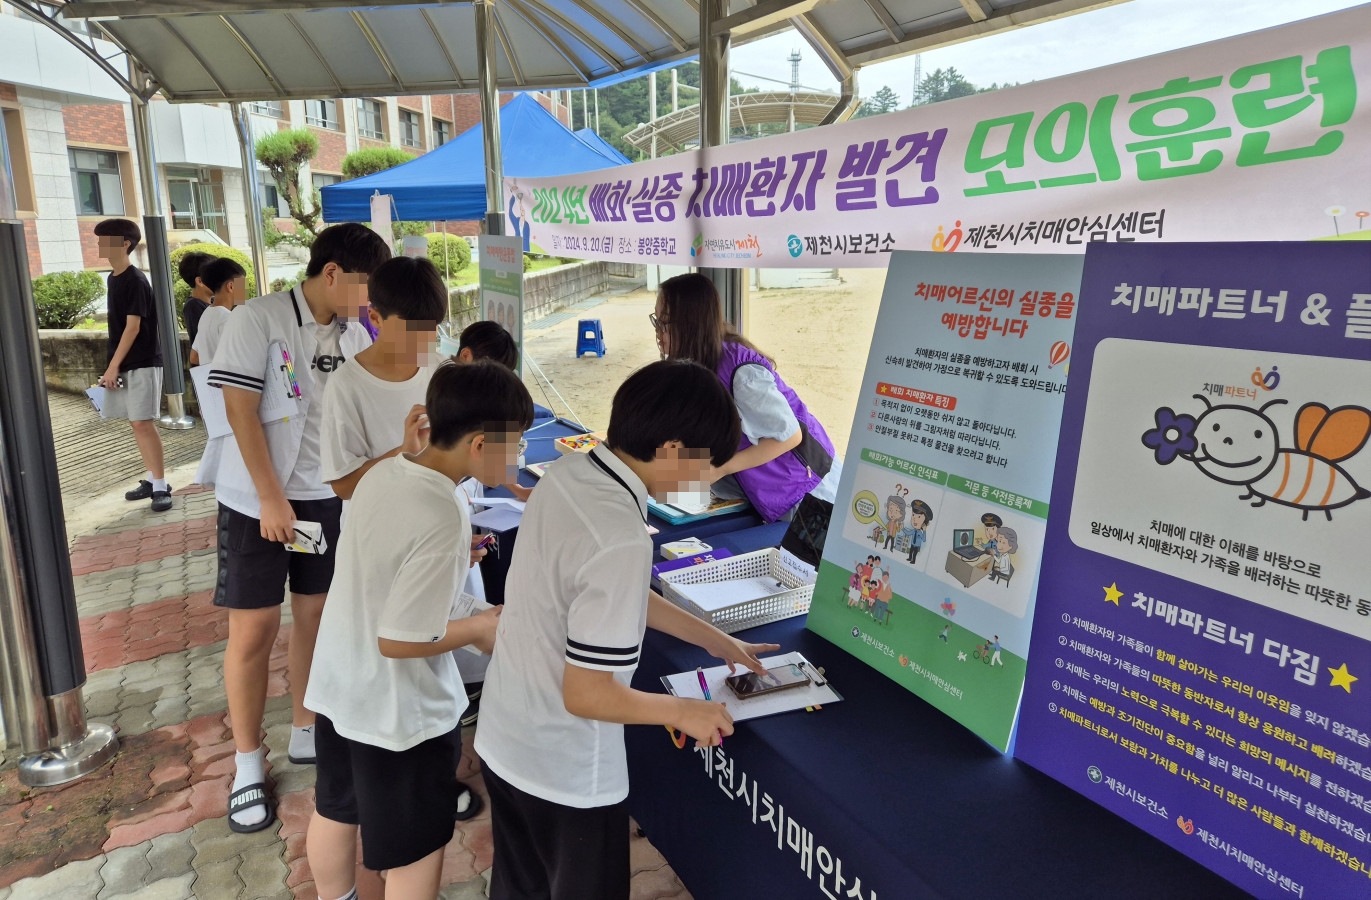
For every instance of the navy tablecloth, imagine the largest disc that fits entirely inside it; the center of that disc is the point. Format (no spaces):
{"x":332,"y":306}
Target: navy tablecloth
{"x":911,"y":803}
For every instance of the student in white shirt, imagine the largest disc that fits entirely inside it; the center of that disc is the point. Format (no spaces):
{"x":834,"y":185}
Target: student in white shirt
{"x":269,"y":478}
{"x":228,"y":282}
{"x":374,"y":408}
{"x":384,"y":684}
{"x":577,"y":601}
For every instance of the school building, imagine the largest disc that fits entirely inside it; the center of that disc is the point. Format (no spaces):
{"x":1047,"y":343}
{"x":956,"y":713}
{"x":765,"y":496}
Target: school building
{"x":68,"y":131}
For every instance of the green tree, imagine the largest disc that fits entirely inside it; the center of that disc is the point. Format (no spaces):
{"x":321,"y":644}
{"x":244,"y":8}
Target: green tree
{"x":284,"y":153}
{"x":943,"y":84}
{"x":885,"y":100}
{"x":370,"y":160}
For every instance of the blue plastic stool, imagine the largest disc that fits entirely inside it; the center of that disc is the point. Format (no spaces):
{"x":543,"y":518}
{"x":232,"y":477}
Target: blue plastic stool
{"x":589,"y":338}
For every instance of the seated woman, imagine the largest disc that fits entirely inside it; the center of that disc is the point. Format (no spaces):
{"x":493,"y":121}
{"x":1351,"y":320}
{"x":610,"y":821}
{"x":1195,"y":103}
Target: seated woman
{"x":785,"y":454}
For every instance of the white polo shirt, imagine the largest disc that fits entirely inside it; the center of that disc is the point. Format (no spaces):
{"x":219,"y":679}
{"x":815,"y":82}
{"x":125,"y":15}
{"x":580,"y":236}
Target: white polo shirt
{"x":576,"y":593}
{"x":364,"y":417}
{"x":401,"y":559}
{"x":241,"y":361}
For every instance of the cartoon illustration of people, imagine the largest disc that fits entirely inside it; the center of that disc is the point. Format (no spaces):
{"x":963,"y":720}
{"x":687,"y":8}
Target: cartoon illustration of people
{"x":856,"y":585}
{"x":991,"y":523}
{"x":995,"y":656}
{"x":894,"y":518}
{"x":882,"y":595}
{"x":1006,"y":545}
{"x":947,"y":629}
{"x":916,"y":532}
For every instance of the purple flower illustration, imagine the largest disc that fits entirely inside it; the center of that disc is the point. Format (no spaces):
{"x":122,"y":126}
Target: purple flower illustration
{"x":1174,"y":436}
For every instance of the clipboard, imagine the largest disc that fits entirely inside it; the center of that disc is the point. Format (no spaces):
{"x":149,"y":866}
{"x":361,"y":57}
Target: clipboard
{"x":279,"y":393}
{"x":817,"y":693}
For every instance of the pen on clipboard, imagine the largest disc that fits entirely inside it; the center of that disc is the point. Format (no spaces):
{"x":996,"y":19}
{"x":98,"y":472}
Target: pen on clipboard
{"x":704,"y":687}
{"x":290,"y":372}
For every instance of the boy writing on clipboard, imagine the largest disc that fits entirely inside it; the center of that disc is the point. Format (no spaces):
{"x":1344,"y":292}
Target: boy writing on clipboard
{"x":269,"y":478}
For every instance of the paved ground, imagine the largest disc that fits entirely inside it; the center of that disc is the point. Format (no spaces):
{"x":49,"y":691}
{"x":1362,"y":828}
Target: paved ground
{"x":152,"y":824}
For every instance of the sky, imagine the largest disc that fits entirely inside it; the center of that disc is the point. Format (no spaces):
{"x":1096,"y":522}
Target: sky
{"x":1088,"y":40}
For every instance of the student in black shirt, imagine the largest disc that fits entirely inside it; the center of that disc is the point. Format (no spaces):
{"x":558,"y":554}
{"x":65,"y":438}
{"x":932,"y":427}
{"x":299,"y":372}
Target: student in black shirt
{"x":200,"y":294}
{"x":133,"y":380}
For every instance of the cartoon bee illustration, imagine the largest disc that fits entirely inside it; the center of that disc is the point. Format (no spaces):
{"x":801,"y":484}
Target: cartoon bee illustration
{"x":1240,"y":446}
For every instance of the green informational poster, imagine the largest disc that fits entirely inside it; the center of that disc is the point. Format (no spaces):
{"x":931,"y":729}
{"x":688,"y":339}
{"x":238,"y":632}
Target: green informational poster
{"x":930,"y":570}
{"x":502,"y":284}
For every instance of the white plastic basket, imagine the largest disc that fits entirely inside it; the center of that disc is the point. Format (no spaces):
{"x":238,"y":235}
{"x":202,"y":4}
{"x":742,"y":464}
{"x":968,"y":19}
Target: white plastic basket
{"x":773,"y":563}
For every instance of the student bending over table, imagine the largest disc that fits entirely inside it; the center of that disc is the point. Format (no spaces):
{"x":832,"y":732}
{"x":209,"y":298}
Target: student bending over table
{"x":784,"y":454}
{"x":558,"y":693}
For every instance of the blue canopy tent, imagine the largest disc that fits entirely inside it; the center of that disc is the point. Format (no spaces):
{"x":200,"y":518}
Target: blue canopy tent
{"x":448,"y":184}
{"x":601,"y":146}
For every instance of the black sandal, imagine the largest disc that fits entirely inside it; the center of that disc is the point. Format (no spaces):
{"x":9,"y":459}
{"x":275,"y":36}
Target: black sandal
{"x":245,"y":798}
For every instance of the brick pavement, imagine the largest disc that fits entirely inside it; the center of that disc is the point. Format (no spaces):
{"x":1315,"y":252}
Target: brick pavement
{"x":152,"y":824}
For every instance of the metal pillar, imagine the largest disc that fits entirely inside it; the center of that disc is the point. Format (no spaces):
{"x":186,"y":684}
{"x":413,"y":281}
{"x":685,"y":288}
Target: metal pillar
{"x":159,"y":264}
{"x":714,"y":86}
{"x":675,"y":84}
{"x":41,"y":664}
{"x":490,"y":117}
{"x":252,"y":195}
{"x":652,"y":110}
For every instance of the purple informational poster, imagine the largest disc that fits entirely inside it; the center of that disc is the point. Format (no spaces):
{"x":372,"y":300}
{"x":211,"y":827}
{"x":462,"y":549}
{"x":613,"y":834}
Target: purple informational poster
{"x":1201,"y":654}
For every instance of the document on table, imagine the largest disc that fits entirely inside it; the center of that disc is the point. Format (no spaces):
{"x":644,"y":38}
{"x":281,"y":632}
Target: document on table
{"x":686,"y":684}
{"x":716,"y":595}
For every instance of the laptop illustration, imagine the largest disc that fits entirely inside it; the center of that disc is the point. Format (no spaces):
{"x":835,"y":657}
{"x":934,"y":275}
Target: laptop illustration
{"x":964,"y":543}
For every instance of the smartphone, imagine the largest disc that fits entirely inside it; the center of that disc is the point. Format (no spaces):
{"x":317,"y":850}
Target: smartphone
{"x":750,"y":684}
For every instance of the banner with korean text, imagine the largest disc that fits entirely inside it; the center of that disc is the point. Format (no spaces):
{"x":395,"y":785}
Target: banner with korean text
{"x":931,"y":563}
{"x":1201,"y":655}
{"x":1259,"y":137}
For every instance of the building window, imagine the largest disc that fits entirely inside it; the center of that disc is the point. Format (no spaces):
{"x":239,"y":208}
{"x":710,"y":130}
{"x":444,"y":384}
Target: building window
{"x":271,"y":198}
{"x":95,"y":178}
{"x":411,"y":129}
{"x":268,"y":108}
{"x":322,"y":113}
{"x":442,"y":132}
{"x":371,"y":119}
{"x":320,"y":179}
{"x":16,"y":144}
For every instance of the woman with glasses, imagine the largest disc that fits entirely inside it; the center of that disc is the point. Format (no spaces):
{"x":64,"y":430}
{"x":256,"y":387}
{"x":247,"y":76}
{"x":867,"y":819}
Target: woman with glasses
{"x":785,"y":455}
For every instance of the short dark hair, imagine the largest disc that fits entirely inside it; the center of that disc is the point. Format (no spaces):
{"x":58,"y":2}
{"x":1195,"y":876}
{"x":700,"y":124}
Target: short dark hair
{"x":352,"y":245}
{"x":674,"y":400}
{"x":408,"y":287}
{"x":190,"y":266}
{"x":490,"y":340}
{"x":219,"y":271}
{"x":462,"y":400}
{"x":123,"y":228}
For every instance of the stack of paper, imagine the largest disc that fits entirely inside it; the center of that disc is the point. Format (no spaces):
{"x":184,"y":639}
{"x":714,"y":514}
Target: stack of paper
{"x":716,"y":595}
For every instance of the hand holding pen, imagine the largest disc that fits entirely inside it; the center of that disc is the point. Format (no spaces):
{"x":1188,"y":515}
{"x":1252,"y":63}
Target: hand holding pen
{"x":706,"y":721}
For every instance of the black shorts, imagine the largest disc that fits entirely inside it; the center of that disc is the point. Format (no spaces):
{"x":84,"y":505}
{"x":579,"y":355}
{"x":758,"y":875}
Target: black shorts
{"x":547,"y":850}
{"x":253,"y":570}
{"x":404,"y":801}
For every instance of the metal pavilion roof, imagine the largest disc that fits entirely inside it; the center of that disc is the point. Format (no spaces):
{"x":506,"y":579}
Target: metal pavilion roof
{"x":680,"y":129}
{"x":224,"y":50}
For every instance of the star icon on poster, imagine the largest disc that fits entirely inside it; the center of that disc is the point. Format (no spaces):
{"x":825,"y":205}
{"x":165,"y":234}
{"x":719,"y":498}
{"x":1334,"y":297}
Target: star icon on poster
{"x":1112,"y":594}
{"x":961,"y":657}
{"x":1342,"y":678}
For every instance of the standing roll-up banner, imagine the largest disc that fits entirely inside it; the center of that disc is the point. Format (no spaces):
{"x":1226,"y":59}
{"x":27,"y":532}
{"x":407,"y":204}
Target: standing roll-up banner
{"x":931,"y":564}
{"x":1201,"y":655}
{"x":1259,"y":137}
{"x":501,"y":271}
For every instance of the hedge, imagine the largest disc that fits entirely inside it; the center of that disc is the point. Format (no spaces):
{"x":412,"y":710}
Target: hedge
{"x":181,"y":290}
{"x":65,"y":298}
